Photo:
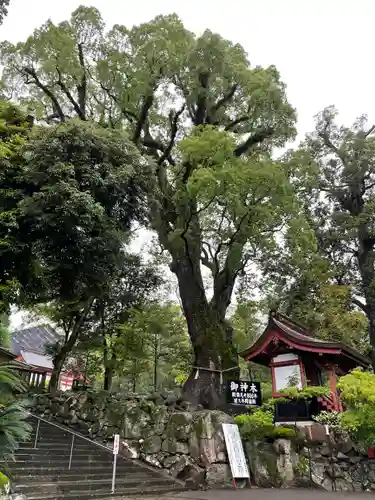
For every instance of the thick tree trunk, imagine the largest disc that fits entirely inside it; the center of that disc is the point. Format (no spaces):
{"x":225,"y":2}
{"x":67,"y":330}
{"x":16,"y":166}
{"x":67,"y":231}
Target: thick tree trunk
{"x":108,"y":378}
{"x":366,"y":264}
{"x":58,"y":364}
{"x":134,"y":381}
{"x":156,"y":361}
{"x":371,"y":318}
{"x":108,"y":367}
{"x":70,"y":341}
{"x":369,"y":294}
{"x":211,"y":338}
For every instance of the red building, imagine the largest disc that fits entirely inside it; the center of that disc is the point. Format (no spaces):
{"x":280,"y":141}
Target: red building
{"x":297,"y":358}
{"x":30,"y":346}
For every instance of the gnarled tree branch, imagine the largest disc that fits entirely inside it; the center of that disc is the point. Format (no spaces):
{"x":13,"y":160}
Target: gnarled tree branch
{"x":256,"y":138}
{"x":71,"y":99}
{"x":57,"y":109}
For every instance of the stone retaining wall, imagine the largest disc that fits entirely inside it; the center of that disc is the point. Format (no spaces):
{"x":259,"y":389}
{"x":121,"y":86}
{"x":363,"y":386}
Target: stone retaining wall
{"x":165,"y":433}
{"x":334,"y":464}
{"x":161,"y":431}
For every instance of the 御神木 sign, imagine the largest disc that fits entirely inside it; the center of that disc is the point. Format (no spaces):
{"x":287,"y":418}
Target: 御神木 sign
{"x":244,"y":393}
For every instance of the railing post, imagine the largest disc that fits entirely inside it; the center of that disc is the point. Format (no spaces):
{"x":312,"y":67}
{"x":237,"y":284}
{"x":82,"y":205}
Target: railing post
{"x":71,"y":452}
{"x":37,"y":434}
{"x":114,"y":473}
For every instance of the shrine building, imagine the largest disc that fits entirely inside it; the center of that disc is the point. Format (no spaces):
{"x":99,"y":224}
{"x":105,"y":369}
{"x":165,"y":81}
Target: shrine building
{"x":296,"y":358}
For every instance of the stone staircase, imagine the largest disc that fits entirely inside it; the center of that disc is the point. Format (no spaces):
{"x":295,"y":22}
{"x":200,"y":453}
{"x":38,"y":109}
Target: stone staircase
{"x":43,"y":473}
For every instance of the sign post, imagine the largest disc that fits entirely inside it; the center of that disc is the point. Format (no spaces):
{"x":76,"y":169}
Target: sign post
{"x":236,"y":455}
{"x":116,"y":446}
{"x":244,"y":393}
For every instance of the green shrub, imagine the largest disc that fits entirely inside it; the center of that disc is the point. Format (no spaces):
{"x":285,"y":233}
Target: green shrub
{"x":4,"y":484}
{"x":283,"y":433}
{"x":358,"y":395}
{"x":331,"y":418}
{"x":308,"y":392}
{"x":259,"y":425}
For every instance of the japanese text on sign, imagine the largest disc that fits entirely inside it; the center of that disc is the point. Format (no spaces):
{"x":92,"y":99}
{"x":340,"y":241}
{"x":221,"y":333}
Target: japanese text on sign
{"x":244,"y":393}
{"x":116,"y":444}
{"x":235,"y":451}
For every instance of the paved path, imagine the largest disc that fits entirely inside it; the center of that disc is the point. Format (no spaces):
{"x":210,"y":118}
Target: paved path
{"x":262,"y":494}
{"x":268,"y":494}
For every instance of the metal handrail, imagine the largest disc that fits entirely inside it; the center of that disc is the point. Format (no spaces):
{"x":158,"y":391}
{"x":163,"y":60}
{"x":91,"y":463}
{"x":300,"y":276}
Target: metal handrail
{"x":65,"y":429}
{"x":79,"y":436}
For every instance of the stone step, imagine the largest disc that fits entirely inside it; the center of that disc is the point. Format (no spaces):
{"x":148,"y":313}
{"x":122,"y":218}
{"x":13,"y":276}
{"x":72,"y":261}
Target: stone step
{"x":36,"y":466}
{"x":65,"y":452}
{"x":82,"y":475}
{"x":58,"y":435}
{"x":51,"y":467}
{"x":42,"y":473}
{"x":59,"y":446}
{"x":47,"y":469}
{"x":120,"y":493}
{"x":92,"y":484}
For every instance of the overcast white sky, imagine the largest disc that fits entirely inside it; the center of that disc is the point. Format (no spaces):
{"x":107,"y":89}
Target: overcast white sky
{"x":323,"y":48}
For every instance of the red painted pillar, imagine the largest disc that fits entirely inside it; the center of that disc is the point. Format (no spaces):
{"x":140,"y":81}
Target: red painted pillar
{"x":332,"y":384}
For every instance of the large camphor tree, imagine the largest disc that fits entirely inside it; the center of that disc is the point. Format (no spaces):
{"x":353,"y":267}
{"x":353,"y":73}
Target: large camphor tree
{"x":208,"y":123}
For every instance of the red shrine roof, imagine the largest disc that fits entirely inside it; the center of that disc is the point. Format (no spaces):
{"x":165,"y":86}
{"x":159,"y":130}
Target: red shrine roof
{"x":282,"y":331}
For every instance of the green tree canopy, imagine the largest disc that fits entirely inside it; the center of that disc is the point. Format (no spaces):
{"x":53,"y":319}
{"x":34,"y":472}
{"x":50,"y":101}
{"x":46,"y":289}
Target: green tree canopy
{"x":135,"y":284}
{"x":209,"y":121}
{"x":334,"y":175}
{"x":78,"y":192}
{"x":15,"y":254}
{"x":155,"y":340}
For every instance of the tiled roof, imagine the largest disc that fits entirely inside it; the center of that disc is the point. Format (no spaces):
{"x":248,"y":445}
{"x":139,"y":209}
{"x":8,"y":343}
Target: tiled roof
{"x":297,"y":335}
{"x":36,"y":359}
{"x":295,"y":332}
{"x":34,"y":339}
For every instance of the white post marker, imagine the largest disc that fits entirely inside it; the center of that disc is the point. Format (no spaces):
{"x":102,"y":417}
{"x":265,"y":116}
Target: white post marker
{"x":236,"y":455}
{"x":116,"y":446}
{"x":327,"y":430}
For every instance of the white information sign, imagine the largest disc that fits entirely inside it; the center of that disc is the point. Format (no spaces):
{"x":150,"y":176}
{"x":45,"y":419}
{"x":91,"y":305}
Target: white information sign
{"x":235,"y":451}
{"x":116,"y":444}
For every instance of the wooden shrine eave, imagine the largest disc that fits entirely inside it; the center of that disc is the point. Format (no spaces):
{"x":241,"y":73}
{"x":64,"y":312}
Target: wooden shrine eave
{"x":282,"y":331}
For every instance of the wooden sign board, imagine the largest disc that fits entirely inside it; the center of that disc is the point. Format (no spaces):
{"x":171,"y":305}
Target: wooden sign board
{"x":236,"y":455}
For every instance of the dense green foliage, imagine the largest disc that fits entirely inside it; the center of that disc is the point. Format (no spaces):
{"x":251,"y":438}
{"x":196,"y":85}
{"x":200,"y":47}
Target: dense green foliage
{"x":358,"y":394}
{"x":13,"y":428}
{"x":334,"y":177}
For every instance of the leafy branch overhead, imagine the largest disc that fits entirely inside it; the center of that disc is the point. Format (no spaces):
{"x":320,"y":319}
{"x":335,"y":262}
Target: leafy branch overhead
{"x":76,"y":69}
